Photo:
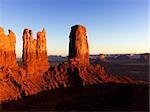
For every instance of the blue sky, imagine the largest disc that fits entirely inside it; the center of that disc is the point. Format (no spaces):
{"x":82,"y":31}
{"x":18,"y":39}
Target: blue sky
{"x":113,"y":26}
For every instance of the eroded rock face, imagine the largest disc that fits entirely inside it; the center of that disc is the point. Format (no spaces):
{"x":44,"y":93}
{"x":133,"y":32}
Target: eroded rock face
{"x":9,"y":86}
{"x":7,"y":49}
{"x":78,"y":46}
{"x":76,"y":72}
{"x":34,"y":58}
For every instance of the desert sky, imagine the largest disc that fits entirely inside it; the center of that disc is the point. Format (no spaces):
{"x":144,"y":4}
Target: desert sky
{"x":113,"y":26}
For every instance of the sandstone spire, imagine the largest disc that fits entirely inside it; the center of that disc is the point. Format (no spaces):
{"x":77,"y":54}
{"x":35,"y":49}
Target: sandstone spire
{"x":34,"y":58}
{"x":78,"y":46}
{"x":7,"y":49}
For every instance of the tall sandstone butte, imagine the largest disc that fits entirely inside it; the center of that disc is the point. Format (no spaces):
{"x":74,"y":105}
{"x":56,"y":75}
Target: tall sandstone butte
{"x":34,"y":58}
{"x":78,"y":46}
{"x":7,"y":49}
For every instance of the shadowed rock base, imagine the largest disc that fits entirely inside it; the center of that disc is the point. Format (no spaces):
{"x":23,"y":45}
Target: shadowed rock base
{"x":102,"y":97}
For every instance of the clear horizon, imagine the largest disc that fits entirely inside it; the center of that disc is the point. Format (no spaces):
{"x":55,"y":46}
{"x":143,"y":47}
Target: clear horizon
{"x":113,"y":26}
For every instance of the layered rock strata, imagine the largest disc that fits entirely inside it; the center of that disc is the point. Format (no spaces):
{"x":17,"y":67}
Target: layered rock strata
{"x":78,"y":46}
{"x":7,"y":49}
{"x":34,"y":58}
{"x":77,"y":72}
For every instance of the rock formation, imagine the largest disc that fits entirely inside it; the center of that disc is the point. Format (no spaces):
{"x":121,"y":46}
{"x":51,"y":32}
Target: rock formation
{"x":145,"y":57}
{"x":76,"y":72}
{"x":9,"y":87}
{"x":7,"y":49}
{"x":34,"y":58}
{"x":8,"y":66}
{"x":101,"y":57}
{"x":78,"y":46}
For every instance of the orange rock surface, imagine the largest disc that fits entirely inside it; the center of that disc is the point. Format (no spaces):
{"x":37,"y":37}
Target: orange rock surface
{"x":34,"y":58}
{"x":78,"y":46}
{"x":76,"y":74}
{"x":9,"y":87}
{"x":35,"y":75}
{"x":7,"y":49}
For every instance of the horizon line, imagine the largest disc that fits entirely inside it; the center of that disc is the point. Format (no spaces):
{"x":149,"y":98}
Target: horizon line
{"x":95,"y":54}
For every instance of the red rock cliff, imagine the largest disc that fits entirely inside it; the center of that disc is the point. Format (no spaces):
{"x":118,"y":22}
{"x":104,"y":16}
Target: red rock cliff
{"x":78,"y":46}
{"x":7,"y":49}
{"x":76,"y":72}
{"x":34,"y":58}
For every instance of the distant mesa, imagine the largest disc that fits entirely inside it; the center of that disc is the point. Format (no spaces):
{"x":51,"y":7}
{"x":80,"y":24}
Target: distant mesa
{"x":78,"y":45}
{"x":123,"y":57}
{"x":102,"y":57}
{"x":145,"y":57}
